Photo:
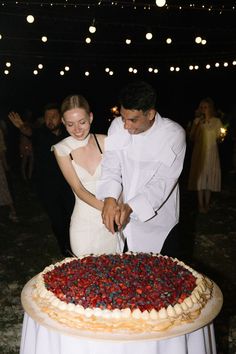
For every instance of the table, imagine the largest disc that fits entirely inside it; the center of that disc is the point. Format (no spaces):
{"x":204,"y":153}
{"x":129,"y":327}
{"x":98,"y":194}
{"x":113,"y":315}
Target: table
{"x":37,"y":339}
{"x":42,"y":335}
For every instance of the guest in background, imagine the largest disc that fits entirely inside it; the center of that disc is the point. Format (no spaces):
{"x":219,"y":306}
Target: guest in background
{"x":51,"y":187}
{"x":5,"y":194}
{"x":205,"y":171}
{"x":25,"y":145}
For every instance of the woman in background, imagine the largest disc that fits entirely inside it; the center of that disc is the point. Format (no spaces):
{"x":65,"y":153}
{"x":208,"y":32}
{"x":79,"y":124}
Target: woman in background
{"x":5,"y":194}
{"x":79,"y":157}
{"x":205,"y":171}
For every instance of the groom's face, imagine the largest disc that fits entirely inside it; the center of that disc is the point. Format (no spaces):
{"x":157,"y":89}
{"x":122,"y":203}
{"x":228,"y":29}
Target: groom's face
{"x":137,"y":121}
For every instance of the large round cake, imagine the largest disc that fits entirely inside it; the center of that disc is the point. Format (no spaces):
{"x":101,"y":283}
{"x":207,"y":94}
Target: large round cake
{"x":132,"y":292}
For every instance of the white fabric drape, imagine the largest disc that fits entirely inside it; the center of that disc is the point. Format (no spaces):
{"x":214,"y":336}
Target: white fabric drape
{"x":37,"y":339}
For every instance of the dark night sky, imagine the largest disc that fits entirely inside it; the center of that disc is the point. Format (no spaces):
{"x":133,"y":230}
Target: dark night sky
{"x":66,"y":25}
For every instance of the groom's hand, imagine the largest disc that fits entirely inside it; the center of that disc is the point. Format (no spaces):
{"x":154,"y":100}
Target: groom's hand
{"x":122,"y":218}
{"x":109,"y":212}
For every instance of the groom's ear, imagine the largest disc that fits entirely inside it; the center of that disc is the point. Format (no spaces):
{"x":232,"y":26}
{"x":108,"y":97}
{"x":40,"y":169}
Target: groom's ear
{"x":151,"y":114}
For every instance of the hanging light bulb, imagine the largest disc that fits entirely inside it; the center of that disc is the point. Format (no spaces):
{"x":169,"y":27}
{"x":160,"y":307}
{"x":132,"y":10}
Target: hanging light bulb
{"x":92,"y":28}
{"x":30,"y":18}
{"x":148,"y":36}
{"x":198,"y":39}
{"x":44,"y":39}
{"x":160,"y":3}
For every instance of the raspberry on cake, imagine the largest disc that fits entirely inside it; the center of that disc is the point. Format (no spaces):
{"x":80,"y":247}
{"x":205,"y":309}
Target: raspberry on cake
{"x":134,"y":292}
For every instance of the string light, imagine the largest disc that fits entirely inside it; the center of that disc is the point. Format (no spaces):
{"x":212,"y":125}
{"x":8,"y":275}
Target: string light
{"x":150,"y":69}
{"x":198,"y":39}
{"x":123,"y":4}
{"x":223,"y":56}
{"x":148,"y":36}
{"x":30,"y":18}
{"x":160,"y":3}
{"x":92,"y":28}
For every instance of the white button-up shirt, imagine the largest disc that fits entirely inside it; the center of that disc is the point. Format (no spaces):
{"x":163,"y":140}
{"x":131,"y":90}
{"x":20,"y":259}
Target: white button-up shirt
{"x":145,"y":168}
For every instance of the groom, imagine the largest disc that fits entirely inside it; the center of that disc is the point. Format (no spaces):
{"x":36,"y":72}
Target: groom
{"x":143,"y":159}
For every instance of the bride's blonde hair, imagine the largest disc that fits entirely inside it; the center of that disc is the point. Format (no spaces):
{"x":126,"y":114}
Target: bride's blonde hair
{"x":74,"y":101}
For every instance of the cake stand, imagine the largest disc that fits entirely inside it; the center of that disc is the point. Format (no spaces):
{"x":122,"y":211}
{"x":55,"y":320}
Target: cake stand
{"x":208,"y":313}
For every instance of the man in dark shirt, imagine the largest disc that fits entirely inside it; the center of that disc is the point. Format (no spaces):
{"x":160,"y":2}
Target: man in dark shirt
{"x":52,"y":189}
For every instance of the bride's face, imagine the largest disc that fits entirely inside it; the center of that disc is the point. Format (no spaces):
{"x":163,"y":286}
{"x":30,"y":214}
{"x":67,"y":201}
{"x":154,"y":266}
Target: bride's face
{"x":77,"y":122}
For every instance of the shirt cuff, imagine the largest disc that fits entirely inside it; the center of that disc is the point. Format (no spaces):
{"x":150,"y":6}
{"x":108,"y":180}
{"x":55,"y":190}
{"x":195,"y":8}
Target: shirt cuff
{"x":142,"y":209}
{"x":105,"y":190}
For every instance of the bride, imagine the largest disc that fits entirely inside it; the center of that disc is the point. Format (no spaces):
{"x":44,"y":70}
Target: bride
{"x":79,"y":158}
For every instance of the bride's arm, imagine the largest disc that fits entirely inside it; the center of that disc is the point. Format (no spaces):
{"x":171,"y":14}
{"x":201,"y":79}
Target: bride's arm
{"x":73,"y":180}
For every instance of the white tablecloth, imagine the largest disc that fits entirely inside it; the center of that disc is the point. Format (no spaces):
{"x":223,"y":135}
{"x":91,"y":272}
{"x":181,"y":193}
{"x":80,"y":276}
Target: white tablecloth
{"x":37,"y":339}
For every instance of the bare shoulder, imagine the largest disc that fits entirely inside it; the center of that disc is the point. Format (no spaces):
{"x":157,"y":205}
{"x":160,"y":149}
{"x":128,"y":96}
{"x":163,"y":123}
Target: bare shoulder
{"x":101,"y":139}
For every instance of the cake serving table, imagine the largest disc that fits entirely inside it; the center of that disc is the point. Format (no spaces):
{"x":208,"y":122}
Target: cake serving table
{"x":43,"y":335}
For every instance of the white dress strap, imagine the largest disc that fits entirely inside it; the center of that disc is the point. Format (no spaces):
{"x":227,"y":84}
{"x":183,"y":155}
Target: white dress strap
{"x":65,"y":146}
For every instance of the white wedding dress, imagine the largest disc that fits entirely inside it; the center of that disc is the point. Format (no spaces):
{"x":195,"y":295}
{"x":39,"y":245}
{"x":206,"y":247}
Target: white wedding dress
{"x":87,"y":232}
